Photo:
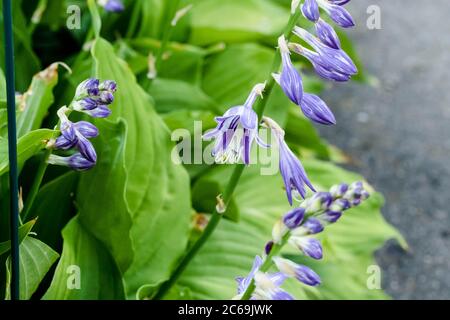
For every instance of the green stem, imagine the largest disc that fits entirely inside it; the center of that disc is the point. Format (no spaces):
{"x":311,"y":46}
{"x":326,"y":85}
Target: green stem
{"x":266,"y":265}
{"x":134,"y":20}
{"x":36,"y":185}
{"x":167,"y":34}
{"x":232,"y":183}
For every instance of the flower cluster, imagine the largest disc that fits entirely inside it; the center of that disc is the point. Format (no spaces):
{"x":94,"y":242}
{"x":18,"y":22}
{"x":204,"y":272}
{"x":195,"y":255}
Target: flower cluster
{"x":296,"y":228}
{"x":92,"y":98}
{"x":111,"y":5}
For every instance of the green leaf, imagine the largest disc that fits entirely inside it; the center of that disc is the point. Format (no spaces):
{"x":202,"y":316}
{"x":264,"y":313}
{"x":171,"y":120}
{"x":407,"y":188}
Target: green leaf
{"x":214,"y":21}
{"x":261,"y":201}
{"x":24,"y":230}
{"x":34,"y":103}
{"x":54,"y":207}
{"x":143,"y":195}
{"x":86,"y":271}
{"x":171,"y":95}
{"x":27,"y":146}
{"x":2,"y":87}
{"x":96,"y":20}
{"x":36,"y":258}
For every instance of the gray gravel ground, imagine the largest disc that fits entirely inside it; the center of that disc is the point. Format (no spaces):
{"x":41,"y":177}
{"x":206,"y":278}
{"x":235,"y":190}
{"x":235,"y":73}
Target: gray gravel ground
{"x":398,"y":134}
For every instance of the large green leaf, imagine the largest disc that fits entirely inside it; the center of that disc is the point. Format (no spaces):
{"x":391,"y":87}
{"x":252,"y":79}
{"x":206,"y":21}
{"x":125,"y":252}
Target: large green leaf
{"x":34,"y":103}
{"x":54,"y":207}
{"x":27,"y":146}
{"x":261,"y":200}
{"x":214,"y":20}
{"x":36,"y":258}
{"x":86,"y":270}
{"x":136,"y":200}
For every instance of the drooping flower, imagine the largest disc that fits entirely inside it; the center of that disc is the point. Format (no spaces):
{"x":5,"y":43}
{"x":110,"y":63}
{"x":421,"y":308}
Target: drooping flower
{"x":329,"y":63}
{"x":294,"y":176}
{"x":112,"y":5}
{"x":236,"y":131}
{"x":290,"y":79}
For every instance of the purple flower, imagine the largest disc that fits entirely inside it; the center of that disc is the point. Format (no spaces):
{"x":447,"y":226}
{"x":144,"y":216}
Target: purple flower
{"x":327,"y":35}
{"x":339,"y":190}
{"x":337,"y":13}
{"x":236,"y":131}
{"x":290,"y":79}
{"x":108,"y":85}
{"x":292,"y":171}
{"x":77,"y":162}
{"x":112,"y":5}
{"x":101,"y":111}
{"x":300,"y":272}
{"x":294,"y":218}
{"x":310,"y":10}
{"x":315,"y":109}
{"x":243,"y":283}
{"x":329,"y":63}
{"x":309,"y":246}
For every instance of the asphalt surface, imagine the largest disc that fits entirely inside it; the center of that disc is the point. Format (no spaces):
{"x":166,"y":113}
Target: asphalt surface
{"x":398,"y":135}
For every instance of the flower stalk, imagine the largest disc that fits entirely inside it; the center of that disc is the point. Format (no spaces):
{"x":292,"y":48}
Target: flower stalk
{"x":235,"y":177}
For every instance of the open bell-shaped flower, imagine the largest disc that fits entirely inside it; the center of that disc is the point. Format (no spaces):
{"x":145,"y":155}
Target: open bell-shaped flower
{"x":236,"y":131}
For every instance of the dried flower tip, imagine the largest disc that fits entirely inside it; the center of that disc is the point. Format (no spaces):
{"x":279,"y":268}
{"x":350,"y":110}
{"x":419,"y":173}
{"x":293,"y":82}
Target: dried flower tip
{"x":180,"y":14}
{"x":220,"y":206}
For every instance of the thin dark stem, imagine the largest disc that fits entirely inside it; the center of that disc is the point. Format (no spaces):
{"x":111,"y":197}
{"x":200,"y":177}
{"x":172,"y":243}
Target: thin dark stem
{"x":12,"y":149}
{"x":232,"y":183}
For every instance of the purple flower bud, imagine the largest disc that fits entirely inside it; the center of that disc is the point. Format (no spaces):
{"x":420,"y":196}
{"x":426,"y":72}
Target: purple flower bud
{"x":310,"y":10}
{"x":338,"y":14}
{"x":76,"y":162}
{"x":290,"y":79}
{"x":105,"y":97}
{"x":100,"y":112}
{"x":64,"y":144}
{"x":268,"y":247}
{"x":300,"y":272}
{"x":316,"y":110}
{"x":331,"y":216}
{"x":294,"y":218}
{"x":86,"y":148}
{"x":339,"y":190}
{"x":112,"y":5}
{"x":313,"y":226}
{"x":88,"y":87}
{"x":85,"y":104}
{"x":327,"y":35}
{"x":341,"y":205}
{"x":309,"y":246}
{"x":108,"y":85}
{"x":87,"y":129}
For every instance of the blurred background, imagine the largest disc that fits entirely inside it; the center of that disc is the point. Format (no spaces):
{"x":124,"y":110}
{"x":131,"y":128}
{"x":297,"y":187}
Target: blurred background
{"x":397,"y":135}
